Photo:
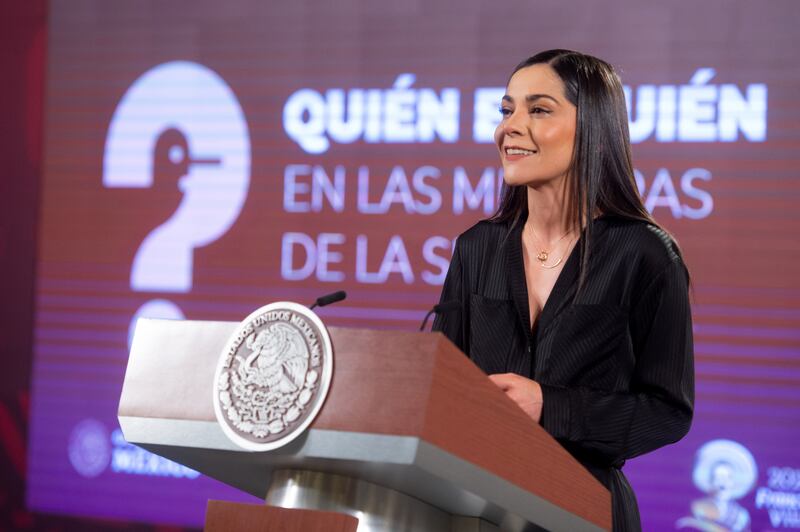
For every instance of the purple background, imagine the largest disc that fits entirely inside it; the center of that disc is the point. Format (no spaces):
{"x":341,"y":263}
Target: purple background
{"x":743,"y":255}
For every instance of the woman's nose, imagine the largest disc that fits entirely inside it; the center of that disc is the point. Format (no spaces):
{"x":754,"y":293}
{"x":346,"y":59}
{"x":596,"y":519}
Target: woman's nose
{"x":513,"y":124}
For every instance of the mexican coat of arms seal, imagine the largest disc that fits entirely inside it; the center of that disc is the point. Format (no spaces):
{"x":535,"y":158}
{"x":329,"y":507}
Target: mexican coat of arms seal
{"x":273,"y":376}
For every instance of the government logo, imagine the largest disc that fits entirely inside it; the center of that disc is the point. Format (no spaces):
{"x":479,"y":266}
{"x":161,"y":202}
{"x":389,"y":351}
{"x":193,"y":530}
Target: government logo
{"x":273,"y":376}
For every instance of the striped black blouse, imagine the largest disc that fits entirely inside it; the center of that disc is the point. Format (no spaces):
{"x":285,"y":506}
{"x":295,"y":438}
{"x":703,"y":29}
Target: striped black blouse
{"x":614,"y":360}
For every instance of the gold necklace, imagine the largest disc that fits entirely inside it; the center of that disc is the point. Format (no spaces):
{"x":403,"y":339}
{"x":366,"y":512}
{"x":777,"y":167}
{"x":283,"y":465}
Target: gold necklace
{"x":544,"y":254}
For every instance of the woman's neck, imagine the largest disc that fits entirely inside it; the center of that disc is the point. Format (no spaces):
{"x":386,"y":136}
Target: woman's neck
{"x":548,"y":212}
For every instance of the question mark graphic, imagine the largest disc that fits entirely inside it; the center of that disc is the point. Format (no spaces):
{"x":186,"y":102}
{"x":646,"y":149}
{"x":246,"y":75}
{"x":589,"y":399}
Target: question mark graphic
{"x":182,"y":117}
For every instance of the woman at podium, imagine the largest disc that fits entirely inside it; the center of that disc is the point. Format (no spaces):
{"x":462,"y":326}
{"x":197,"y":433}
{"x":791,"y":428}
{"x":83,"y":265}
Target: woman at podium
{"x":572,"y":298}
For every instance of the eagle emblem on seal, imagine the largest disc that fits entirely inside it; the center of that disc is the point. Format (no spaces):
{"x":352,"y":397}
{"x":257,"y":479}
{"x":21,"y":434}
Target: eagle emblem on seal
{"x":273,"y":376}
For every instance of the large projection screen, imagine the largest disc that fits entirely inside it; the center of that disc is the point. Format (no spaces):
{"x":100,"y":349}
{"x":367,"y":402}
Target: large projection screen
{"x":206,"y":158}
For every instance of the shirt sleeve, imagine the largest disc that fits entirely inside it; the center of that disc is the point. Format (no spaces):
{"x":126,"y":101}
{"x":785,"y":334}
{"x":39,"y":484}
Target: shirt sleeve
{"x":657,"y":408}
{"x":453,"y":323}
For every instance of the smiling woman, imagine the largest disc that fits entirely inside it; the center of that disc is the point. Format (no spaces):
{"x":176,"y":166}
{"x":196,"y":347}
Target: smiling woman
{"x":572,"y":298}
{"x":536,"y":135}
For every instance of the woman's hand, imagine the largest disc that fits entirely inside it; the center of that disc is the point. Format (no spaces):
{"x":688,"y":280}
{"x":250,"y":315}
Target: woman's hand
{"x":525,"y":392}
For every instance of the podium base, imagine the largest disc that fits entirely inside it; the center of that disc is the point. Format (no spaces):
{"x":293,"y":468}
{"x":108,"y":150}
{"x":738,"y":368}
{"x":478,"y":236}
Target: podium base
{"x":222,"y":516}
{"x":377,"y":508}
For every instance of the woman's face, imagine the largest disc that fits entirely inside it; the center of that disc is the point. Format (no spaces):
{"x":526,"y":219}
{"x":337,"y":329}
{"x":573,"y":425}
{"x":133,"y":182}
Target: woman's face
{"x":536,"y":136}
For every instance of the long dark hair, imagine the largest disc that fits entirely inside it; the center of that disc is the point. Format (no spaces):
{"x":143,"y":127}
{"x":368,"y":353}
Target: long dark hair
{"x":600,"y":175}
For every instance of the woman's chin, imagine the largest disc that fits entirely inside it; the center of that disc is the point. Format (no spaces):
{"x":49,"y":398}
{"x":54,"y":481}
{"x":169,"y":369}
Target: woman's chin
{"x":518,"y":179}
{"x":514,"y":180}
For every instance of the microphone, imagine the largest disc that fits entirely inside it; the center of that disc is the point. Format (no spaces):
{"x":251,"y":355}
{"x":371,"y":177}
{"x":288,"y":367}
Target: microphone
{"x":441,"y":308}
{"x":328,"y":299}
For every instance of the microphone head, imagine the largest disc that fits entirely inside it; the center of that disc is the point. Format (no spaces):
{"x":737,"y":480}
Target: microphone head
{"x":331,"y":298}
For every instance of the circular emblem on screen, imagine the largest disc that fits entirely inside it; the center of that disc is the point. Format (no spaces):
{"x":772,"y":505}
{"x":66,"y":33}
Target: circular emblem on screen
{"x":273,"y":376}
{"x":89,"y":448}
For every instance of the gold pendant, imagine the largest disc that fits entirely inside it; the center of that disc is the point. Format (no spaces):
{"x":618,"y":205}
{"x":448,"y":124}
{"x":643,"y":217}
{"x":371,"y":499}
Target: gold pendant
{"x":552,"y":265}
{"x":542,"y":256}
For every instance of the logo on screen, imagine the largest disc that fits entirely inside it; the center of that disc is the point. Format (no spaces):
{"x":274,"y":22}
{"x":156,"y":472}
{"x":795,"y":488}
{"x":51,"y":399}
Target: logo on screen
{"x":725,"y":471}
{"x":89,"y":449}
{"x":273,"y":376}
{"x":182,"y":121}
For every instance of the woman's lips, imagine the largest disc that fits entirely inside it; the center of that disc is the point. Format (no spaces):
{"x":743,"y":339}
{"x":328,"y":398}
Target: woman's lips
{"x":513,"y":153}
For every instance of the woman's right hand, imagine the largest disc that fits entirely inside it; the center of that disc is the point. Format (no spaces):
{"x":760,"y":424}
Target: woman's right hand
{"x":525,"y":392}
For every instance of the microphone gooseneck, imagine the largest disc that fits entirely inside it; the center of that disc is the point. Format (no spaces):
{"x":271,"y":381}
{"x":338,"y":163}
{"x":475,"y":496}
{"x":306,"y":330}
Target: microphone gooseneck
{"x":441,"y":308}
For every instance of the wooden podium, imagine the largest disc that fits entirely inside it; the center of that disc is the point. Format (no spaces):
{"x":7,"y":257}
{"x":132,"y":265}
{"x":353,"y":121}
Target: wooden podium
{"x":412,"y":436}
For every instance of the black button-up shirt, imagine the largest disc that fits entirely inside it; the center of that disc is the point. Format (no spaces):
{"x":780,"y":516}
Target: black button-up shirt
{"x":614,"y":359}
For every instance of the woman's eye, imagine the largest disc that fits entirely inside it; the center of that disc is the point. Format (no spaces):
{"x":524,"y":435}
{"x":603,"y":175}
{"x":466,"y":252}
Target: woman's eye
{"x":538,"y":110}
{"x":505,"y":111}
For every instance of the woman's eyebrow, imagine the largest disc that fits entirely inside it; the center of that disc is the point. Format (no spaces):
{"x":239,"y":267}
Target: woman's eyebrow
{"x":533,"y":97}
{"x":530,"y":98}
